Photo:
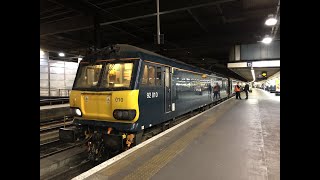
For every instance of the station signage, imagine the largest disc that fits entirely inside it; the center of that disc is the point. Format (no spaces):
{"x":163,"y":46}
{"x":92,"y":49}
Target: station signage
{"x":264,"y":74}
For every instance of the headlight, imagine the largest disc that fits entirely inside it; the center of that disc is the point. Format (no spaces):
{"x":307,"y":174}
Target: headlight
{"x":76,"y":112}
{"x":124,"y":114}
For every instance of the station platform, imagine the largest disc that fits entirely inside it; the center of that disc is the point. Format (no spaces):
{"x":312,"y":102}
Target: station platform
{"x":235,"y":140}
{"x":54,"y":106}
{"x":52,"y":112}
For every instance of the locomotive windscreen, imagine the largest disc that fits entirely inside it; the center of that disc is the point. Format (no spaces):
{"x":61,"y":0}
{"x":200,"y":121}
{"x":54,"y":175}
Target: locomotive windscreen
{"x":104,"y":75}
{"x":88,"y":76}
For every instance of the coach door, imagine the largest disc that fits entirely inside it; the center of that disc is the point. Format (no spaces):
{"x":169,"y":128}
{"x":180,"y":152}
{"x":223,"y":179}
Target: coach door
{"x":167,"y":89}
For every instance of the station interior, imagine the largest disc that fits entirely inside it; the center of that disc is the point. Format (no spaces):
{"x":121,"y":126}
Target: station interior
{"x":149,"y":89}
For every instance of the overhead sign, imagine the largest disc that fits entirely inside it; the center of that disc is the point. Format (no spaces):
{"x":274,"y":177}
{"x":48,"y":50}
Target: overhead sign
{"x":237,"y":65}
{"x":271,"y":63}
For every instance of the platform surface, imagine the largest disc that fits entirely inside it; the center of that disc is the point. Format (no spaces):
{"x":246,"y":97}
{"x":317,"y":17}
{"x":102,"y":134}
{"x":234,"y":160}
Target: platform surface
{"x":54,"y":106}
{"x":237,"y":140}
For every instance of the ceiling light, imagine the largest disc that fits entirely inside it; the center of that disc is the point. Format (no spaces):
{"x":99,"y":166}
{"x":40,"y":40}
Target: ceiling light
{"x":79,"y":58}
{"x":253,"y":75}
{"x":267,"y":40}
{"x":61,"y":54}
{"x":41,"y":53}
{"x":271,"y":21}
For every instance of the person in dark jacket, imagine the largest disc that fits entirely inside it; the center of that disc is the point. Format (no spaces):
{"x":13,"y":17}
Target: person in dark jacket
{"x":209,"y":90}
{"x":246,"y":90}
{"x":216,"y":91}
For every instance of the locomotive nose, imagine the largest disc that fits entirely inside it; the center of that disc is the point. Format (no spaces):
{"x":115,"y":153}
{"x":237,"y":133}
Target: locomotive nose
{"x":97,"y":105}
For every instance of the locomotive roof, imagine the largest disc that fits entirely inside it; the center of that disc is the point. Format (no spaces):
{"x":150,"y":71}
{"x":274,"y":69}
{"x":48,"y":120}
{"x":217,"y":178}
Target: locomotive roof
{"x":129,"y":51}
{"x":125,"y":48}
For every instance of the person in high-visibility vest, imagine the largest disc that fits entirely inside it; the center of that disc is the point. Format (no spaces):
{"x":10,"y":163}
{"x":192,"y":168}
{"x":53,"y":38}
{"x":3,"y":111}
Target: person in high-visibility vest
{"x":237,"y":89}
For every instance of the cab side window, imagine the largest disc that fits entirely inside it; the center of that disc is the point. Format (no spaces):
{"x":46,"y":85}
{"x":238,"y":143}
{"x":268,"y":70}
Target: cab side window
{"x":151,"y":73}
{"x":145,"y":75}
{"x":152,"y":76}
{"x":158,"y":77}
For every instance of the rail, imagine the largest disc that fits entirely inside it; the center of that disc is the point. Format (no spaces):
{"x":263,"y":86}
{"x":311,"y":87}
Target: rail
{"x":56,"y":124}
{"x":55,"y":91}
{"x":54,"y":100}
{"x":54,"y":147}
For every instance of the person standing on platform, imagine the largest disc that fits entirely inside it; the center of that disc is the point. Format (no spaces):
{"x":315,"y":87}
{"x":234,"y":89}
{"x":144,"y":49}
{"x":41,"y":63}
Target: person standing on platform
{"x":216,"y":91}
{"x":246,"y":90}
{"x":209,"y":90}
{"x":237,"y":89}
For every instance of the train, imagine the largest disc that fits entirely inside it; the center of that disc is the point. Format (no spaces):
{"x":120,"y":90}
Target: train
{"x":122,"y":92}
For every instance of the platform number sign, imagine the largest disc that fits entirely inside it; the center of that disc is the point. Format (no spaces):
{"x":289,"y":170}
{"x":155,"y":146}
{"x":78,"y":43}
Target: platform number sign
{"x":264,"y":74}
{"x":249,"y":64}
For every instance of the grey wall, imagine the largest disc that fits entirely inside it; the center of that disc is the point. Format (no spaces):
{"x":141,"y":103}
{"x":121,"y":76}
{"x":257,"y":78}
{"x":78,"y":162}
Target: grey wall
{"x":55,"y":76}
{"x":258,"y":51}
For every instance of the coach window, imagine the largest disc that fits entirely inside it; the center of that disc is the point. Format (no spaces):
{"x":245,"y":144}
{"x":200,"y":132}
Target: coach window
{"x":151,"y":72}
{"x":158,"y":80}
{"x":145,"y":75}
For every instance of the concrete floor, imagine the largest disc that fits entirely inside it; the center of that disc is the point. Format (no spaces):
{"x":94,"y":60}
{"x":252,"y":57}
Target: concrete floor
{"x":240,"y":139}
{"x":243,"y":144}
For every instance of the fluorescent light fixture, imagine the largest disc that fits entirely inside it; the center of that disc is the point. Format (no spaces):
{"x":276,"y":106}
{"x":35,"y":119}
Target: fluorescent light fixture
{"x":61,"y":54}
{"x":273,"y":82}
{"x":271,"y":21}
{"x":267,"y":40}
{"x":237,"y":65}
{"x":41,"y":53}
{"x":273,"y":63}
{"x":253,"y":75}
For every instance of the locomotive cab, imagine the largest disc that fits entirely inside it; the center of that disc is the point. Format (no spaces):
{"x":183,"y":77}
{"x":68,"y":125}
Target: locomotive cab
{"x":104,"y":93}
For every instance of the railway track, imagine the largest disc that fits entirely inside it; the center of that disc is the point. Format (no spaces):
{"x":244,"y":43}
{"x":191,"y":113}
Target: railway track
{"x":54,"y":147}
{"x":55,"y":120}
{"x":49,"y":137}
{"x":55,"y":125}
{"x":54,"y":101}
